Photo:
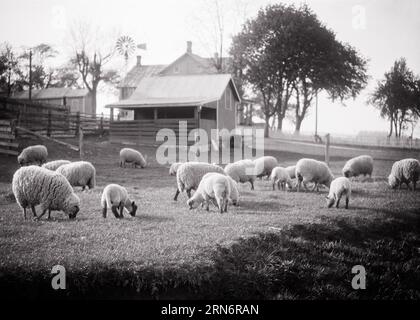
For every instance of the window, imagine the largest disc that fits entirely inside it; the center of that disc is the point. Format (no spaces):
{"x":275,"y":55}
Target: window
{"x":176,"y":113}
{"x":208,"y":113}
{"x":146,"y":113}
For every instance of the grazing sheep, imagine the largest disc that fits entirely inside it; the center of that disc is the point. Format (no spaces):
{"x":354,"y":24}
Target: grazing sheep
{"x":33,"y":185}
{"x":242,"y":171}
{"x":189,"y":175}
{"x":54,"y":165}
{"x":234,"y":192}
{"x":339,"y":186}
{"x":116,"y":197}
{"x":132,"y":156}
{"x":357,"y":166}
{"x":264,"y":166}
{"x":79,"y":174}
{"x":174,"y":168}
{"x":310,"y":170}
{"x":213,"y":185}
{"x":291,"y":171}
{"x":404,"y":171}
{"x":33,"y":154}
{"x":281,"y":177}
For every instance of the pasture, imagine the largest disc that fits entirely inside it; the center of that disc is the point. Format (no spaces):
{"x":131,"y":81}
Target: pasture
{"x":275,"y":245}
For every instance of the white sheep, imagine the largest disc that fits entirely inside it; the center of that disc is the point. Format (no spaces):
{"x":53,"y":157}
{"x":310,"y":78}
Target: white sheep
{"x":79,"y":174}
{"x":357,"y":166}
{"x":339,"y":186}
{"x":291,"y":171}
{"x":310,"y":170}
{"x":264,"y":166}
{"x":281,"y":177}
{"x":189,"y":175}
{"x":33,"y":154}
{"x":128,"y":155}
{"x":242,"y":171}
{"x":116,"y":197}
{"x":33,"y":185}
{"x":213,"y":185}
{"x":54,"y":165}
{"x":174,"y":168}
{"x":404,"y":171}
{"x":234,"y":192}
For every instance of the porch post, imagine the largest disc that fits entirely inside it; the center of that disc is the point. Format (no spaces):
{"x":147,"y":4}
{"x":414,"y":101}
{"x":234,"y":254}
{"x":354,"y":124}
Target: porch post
{"x":111,"y":115}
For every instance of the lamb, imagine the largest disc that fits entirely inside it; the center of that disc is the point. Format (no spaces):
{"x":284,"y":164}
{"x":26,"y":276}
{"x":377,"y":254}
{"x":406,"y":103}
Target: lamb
{"x":34,"y":185}
{"x":242,"y":171}
{"x":339,"y":186}
{"x":54,"y":165}
{"x":189,"y":174}
{"x":33,"y":154}
{"x":128,"y":155}
{"x":264,"y":166}
{"x":79,"y":174}
{"x":404,"y":171}
{"x":310,"y":170}
{"x":281,"y":177}
{"x":357,"y":166}
{"x":291,"y":171}
{"x":234,"y":192}
{"x":116,"y":197}
{"x":174,"y":168}
{"x":213,"y":185}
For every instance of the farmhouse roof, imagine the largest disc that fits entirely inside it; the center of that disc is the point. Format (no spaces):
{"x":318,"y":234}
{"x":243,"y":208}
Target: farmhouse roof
{"x":138,"y":72}
{"x":180,"y":90}
{"x":52,"y":93}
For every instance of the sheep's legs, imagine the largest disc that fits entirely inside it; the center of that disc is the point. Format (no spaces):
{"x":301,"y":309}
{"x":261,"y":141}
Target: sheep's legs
{"x":115,"y":212}
{"x":189,"y":193}
{"x":347,"y":202}
{"x":104,"y":209}
{"x":338,"y":202}
{"x":252,"y":185}
{"x":49,"y":214}
{"x":121,"y":210}
{"x":43,"y":212}
{"x":176,"y":194}
{"x":24,"y":213}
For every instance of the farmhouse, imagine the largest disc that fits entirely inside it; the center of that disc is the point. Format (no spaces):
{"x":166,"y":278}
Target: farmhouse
{"x":77,"y":100}
{"x":156,"y":96}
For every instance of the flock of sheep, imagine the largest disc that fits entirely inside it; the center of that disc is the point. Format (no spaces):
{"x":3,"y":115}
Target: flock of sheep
{"x":50,"y":184}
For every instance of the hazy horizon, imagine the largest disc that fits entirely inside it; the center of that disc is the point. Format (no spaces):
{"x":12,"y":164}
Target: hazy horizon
{"x":382,"y":31}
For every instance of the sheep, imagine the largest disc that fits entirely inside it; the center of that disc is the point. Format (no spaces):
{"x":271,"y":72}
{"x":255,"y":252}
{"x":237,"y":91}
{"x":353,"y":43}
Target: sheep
{"x":116,"y":197}
{"x":54,"y":165}
{"x":264,"y":166}
{"x":281,"y":177}
{"x":357,"y":166}
{"x":339,"y":186}
{"x":189,"y":174}
{"x":33,"y":154}
{"x":234,"y":192}
{"x":213,"y":185}
{"x":291,"y":171}
{"x":34,"y":185}
{"x":132,"y":156}
{"x":79,"y":174}
{"x":310,"y":170}
{"x":404,"y":171}
{"x":242,"y":171}
{"x":174,"y":168}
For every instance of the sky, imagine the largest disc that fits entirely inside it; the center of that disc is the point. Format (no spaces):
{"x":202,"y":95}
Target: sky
{"x":381,"y":30}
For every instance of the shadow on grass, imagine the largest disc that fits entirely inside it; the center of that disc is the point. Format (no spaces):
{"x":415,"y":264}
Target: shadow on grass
{"x":303,"y":261}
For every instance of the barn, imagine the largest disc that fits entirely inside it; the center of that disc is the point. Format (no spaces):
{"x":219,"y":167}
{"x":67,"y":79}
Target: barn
{"x":160,"y":96}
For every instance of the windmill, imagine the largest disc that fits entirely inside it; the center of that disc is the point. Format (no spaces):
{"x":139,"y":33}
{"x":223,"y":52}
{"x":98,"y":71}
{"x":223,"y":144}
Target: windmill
{"x":125,"y":47}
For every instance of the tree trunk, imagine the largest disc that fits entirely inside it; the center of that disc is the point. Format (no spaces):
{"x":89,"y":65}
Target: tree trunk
{"x":280,"y":123}
{"x":390,"y":127}
{"x":267,"y":126}
{"x":298,"y":124}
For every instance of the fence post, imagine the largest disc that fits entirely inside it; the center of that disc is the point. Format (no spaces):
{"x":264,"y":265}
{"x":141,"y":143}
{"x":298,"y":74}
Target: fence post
{"x":49,"y":124}
{"x":80,"y":132}
{"x":101,"y":125}
{"x":327,"y":149}
{"x":77,"y":123}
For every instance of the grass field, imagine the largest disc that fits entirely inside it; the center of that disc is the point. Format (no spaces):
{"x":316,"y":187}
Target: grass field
{"x":275,"y":245}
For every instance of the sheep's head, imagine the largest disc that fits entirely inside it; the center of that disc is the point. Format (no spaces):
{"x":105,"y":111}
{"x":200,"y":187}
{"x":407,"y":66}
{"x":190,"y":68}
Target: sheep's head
{"x":347,"y":173}
{"x":21,"y":160}
{"x":72,"y":206}
{"x":392,"y":181}
{"x":133,"y":209}
{"x":330,"y":201}
{"x":193,"y":203}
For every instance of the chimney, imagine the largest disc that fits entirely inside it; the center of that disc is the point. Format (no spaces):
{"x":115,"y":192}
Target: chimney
{"x":138,"y":61}
{"x":189,"y":46}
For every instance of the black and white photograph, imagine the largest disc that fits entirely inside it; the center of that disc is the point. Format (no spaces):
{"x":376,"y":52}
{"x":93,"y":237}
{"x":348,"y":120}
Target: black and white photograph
{"x":234,"y":151}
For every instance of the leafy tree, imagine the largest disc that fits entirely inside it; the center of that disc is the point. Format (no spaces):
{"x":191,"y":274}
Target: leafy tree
{"x":286,"y":52}
{"x":9,"y":68}
{"x":398,"y":97}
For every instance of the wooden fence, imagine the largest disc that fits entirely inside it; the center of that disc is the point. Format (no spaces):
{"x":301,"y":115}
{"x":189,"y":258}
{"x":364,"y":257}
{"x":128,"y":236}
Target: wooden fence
{"x":8,"y":144}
